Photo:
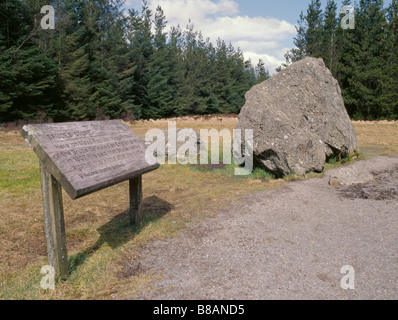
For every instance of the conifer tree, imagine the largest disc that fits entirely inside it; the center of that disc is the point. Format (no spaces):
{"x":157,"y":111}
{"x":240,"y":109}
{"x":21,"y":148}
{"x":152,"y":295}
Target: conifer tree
{"x":389,"y":97}
{"x":370,"y":58}
{"x":141,"y":39}
{"x":262,"y":74}
{"x":160,"y":93}
{"x":28,"y":81}
{"x":329,"y":46}
{"x":223,"y":82}
{"x":99,"y":63}
{"x":313,"y":36}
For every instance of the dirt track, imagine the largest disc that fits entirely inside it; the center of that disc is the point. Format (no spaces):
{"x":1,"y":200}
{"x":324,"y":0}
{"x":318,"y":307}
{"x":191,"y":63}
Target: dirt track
{"x":289,"y":243}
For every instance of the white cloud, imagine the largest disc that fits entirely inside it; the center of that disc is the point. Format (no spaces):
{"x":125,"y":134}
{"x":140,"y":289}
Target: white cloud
{"x":251,"y":29}
{"x":258,"y":37}
{"x":181,"y":11}
{"x":257,"y":46}
{"x":129,"y":3}
{"x":270,"y":62}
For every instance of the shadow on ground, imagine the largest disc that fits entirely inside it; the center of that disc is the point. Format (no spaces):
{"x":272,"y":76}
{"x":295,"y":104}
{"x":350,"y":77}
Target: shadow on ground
{"x":119,"y":230}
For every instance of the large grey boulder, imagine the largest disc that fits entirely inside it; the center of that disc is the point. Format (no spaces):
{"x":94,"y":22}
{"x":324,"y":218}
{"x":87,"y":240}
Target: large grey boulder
{"x":299,"y":119}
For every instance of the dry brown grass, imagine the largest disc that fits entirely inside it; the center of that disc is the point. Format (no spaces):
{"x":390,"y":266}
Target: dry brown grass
{"x":99,"y":238}
{"x":103,"y":247}
{"x":218,"y":123}
{"x":377,"y":138}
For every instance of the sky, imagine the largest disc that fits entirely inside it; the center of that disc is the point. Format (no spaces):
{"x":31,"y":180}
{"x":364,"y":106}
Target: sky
{"x":262,"y":29}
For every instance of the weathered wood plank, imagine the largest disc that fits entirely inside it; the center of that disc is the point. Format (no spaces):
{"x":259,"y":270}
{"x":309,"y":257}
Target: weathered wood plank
{"x":88,"y":156}
{"x":136,"y":200}
{"x":54,"y":223}
{"x":84,"y":157}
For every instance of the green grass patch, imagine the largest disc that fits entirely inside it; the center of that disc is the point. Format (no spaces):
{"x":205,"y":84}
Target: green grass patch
{"x":19,"y":173}
{"x":103,"y":241}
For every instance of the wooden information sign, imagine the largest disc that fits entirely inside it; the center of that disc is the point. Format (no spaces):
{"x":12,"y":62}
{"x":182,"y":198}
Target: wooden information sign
{"x":84,"y":157}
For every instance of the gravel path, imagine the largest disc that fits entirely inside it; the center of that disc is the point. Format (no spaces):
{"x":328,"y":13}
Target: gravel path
{"x":289,"y":243}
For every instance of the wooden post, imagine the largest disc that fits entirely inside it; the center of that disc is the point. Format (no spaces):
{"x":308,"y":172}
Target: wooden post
{"x":136,"y":200}
{"x":54,"y":223}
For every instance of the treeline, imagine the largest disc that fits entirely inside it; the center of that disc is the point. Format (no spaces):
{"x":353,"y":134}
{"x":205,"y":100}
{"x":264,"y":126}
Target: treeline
{"x":100,"y":62}
{"x":364,"y":59}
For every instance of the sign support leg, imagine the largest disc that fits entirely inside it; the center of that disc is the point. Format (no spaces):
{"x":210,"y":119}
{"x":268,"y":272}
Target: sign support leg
{"x":54,"y":223}
{"x":136,"y":200}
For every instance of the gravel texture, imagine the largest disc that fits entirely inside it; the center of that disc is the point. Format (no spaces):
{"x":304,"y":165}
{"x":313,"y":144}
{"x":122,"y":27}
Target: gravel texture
{"x":289,"y":243}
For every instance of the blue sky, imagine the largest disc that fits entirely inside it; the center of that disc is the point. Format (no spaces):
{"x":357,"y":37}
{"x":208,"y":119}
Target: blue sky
{"x":262,"y":29}
{"x":281,"y":9}
{"x":288,"y":10}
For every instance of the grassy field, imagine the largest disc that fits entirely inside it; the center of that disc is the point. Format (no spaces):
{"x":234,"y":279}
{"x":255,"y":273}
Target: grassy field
{"x":103,"y":247}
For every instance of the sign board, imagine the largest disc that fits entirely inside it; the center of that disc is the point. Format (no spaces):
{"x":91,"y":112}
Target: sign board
{"x":88,"y":156}
{"x":84,"y":157}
